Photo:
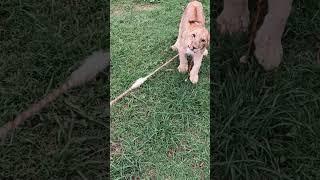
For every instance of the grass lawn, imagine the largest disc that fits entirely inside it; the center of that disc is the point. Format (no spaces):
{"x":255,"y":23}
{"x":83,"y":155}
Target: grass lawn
{"x":267,"y":125}
{"x":162,"y":129}
{"x":40,"y":42}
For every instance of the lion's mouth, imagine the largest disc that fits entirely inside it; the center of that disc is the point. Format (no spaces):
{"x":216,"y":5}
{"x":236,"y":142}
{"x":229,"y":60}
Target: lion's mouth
{"x":190,"y":52}
{"x":193,"y":51}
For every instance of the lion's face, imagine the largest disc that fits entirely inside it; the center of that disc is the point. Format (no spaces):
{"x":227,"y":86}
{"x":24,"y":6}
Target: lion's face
{"x":197,"y":40}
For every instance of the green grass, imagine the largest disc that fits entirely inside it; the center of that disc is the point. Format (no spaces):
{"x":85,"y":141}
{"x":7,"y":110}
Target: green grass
{"x":162,"y":129}
{"x":267,"y":125}
{"x":39,"y":43}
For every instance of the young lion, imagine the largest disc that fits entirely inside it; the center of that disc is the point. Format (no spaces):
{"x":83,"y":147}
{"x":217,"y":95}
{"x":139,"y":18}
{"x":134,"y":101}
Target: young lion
{"x":193,"y":39}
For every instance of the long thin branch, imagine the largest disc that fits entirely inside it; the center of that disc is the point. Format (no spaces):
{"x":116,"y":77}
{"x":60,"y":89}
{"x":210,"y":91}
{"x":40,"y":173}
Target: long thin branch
{"x":140,"y":81}
{"x":86,"y":72}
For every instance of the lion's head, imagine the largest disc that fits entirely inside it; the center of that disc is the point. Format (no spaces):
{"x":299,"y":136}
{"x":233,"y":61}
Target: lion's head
{"x":197,"y":40}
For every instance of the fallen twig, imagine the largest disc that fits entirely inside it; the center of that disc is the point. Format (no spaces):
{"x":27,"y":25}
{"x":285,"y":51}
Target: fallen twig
{"x":140,"y":81}
{"x":86,"y":72}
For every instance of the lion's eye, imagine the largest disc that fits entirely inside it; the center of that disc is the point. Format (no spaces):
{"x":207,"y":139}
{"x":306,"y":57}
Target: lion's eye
{"x":193,"y":35}
{"x":203,"y":40}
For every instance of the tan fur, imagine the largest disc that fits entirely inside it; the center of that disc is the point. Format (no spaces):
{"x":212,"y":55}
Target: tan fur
{"x":193,"y":39}
{"x":268,"y":47}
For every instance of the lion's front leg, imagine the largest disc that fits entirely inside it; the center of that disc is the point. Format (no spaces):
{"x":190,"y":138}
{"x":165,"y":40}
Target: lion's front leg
{"x":183,"y":66}
{"x":268,"y":45}
{"x":194,"y":73}
{"x":234,"y":17}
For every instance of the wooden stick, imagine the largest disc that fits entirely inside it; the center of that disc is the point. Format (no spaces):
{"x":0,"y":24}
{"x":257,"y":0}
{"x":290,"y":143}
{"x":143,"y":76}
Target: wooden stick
{"x":91,"y":66}
{"x":140,"y":81}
